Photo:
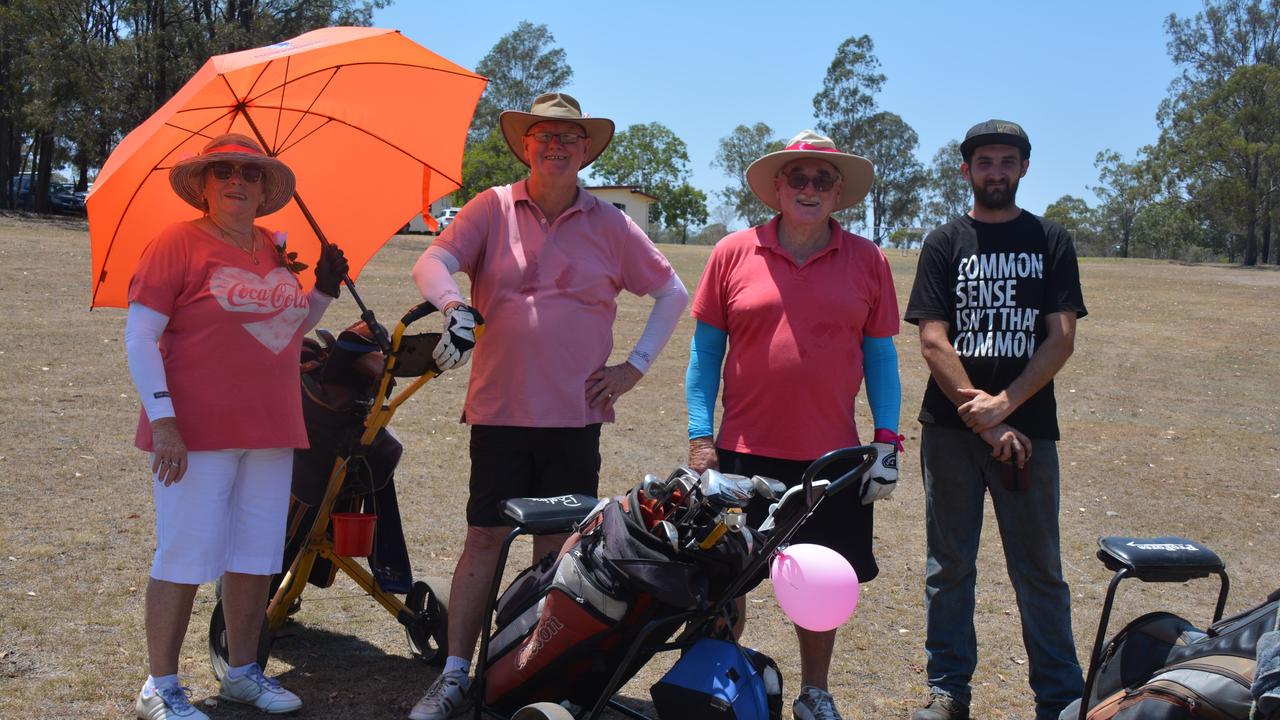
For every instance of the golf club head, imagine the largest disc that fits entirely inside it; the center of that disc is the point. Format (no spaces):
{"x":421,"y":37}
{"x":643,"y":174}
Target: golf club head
{"x":726,"y":491}
{"x":666,"y":531}
{"x":650,"y":486}
{"x":768,"y":488}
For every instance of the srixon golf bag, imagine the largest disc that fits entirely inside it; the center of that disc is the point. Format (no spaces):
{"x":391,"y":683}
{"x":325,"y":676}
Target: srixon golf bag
{"x":565,"y":624}
{"x":1160,"y":667}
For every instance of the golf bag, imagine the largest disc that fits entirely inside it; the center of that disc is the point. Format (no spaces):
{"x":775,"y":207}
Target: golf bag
{"x":565,"y":625}
{"x":339,"y":379}
{"x":1160,"y":667}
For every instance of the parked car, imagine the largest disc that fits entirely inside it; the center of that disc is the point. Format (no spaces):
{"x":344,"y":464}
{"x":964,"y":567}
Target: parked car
{"x":63,"y":198}
{"x":446,"y":217}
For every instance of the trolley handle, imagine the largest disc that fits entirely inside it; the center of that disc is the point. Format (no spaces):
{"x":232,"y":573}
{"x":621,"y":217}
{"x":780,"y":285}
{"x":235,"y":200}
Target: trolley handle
{"x":865,"y":452}
{"x":424,"y":309}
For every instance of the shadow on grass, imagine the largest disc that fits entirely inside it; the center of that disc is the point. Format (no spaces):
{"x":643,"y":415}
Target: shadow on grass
{"x":343,"y":677}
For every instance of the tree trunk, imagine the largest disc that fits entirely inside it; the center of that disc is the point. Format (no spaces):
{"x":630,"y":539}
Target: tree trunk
{"x":1266,"y":231}
{"x":43,"y":170}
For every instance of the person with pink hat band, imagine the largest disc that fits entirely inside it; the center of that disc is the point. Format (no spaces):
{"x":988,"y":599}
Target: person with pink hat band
{"x":547,"y":261}
{"x":806,"y":310}
{"x":213,"y":335}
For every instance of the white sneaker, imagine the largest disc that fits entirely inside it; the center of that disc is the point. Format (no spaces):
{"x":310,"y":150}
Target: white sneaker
{"x":254,"y":688}
{"x":167,"y":703}
{"x":446,"y":698}
{"x":814,"y":704}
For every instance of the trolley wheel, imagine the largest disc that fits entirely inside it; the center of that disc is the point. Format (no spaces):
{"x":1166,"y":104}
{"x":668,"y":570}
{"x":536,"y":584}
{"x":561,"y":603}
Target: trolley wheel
{"x":542,"y":711}
{"x":428,"y":630}
{"x":218,"y":642}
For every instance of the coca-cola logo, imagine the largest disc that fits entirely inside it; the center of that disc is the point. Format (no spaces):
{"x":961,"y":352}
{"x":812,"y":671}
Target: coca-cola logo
{"x":277,"y":294}
{"x":280,"y":297}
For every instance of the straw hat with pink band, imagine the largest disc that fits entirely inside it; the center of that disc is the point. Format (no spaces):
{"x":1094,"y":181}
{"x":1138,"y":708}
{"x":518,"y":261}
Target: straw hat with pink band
{"x":187,"y":176}
{"x":855,"y":170}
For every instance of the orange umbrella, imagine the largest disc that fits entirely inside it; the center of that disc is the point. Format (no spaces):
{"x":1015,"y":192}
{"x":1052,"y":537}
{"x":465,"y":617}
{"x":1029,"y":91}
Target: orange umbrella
{"x":372,"y":124}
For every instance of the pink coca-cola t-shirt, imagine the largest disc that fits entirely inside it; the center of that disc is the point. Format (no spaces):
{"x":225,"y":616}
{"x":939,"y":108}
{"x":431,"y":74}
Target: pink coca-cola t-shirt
{"x":232,"y":345}
{"x":548,"y":294}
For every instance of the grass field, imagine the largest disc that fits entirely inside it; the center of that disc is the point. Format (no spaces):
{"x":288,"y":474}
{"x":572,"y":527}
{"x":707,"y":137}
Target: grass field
{"x":1169,"y":411}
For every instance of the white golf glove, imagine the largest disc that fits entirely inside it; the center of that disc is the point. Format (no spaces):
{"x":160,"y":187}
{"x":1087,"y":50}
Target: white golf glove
{"x":458,"y":338}
{"x":882,"y":479}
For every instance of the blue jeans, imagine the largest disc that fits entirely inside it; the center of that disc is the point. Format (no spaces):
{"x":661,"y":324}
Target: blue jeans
{"x":958,"y":472}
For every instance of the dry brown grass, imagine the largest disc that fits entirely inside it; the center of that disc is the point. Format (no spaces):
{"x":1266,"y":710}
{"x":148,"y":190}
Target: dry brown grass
{"x":1169,"y":409}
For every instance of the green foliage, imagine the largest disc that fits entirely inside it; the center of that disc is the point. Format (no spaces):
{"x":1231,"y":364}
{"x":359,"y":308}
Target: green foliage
{"x":75,"y":76}
{"x":488,"y":163}
{"x":522,"y":65}
{"x":1081,"y":221}
{"x":1220,"y":134}
{"x":847,"y":99}
{"x":947,"y":193}
{"x":1124,"y":190}
{"x":895,"y":194}
{"x":737,"y":151}
{"x":651,"y":157}
{"x":683,"y":206}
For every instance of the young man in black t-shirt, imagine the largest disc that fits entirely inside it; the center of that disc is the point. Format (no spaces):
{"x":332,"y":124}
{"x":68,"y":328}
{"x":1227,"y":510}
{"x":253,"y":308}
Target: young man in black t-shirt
{"x":996,"y":297}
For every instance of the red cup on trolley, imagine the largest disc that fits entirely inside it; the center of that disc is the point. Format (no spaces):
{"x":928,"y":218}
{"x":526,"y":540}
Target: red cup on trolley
{"x":353,"y":533}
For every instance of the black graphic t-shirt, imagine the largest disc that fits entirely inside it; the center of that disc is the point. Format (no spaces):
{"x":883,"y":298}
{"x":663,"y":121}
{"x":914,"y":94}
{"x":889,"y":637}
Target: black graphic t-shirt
{"x":994,"y":283}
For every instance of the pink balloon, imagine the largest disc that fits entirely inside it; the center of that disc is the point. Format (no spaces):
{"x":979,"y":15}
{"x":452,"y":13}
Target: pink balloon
{"x":816,"y":587}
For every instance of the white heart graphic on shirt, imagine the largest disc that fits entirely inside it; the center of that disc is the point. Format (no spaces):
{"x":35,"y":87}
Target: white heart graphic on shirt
{"x":239,"y":290}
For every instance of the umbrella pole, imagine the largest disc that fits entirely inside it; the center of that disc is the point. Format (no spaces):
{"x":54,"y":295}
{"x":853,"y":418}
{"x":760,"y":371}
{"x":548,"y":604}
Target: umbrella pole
{"x":379,"y":332}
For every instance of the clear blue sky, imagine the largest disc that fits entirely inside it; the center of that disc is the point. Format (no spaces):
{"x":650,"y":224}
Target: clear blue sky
{"x":1079,"y":77}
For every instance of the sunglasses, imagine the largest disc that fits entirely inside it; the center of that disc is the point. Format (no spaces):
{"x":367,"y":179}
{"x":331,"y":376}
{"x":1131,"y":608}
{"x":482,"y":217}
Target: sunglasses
{"x":224,"y":171}
{"x":821,"y":183}
{"x":565,"y":138}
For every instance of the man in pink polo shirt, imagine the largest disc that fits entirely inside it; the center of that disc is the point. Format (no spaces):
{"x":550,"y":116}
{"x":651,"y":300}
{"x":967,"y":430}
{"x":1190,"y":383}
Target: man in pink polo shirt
{"x":806,"y":311}
{"x":547,"y":262}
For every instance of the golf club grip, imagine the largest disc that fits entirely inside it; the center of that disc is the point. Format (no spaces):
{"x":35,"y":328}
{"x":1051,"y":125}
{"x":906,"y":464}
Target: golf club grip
{"x":425,"y":308}
{"x":865,"y":452}
{"x":418,"y":312}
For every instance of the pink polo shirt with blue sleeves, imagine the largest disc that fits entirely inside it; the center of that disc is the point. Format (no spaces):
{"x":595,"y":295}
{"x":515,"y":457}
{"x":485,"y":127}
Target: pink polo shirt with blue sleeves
{"x":548,"y":293}
{"x":794,"y":364}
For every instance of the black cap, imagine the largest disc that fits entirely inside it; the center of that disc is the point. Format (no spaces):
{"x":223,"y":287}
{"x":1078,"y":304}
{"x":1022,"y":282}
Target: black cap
{"x":995,"y":132}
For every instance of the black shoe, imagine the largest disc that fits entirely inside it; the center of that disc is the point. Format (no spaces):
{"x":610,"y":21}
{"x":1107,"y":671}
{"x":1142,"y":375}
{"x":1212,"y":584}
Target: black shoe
{"x":941,"y":707}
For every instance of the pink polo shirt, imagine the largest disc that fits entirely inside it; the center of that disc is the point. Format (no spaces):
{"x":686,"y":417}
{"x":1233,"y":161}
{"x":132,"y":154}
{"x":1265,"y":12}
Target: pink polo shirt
{"x":232,"y":345}
{"x":547,"y":292}
{"x":794,"y":364}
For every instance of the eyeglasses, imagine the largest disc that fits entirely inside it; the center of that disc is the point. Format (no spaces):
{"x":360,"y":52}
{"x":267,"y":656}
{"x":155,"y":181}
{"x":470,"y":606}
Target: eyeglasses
{"x":224,"y":171}
{"x":821,"y":183}
{"x":565,"y":138}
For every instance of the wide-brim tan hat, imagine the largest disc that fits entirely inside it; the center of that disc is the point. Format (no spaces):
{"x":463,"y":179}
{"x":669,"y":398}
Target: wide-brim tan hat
{"x":187,"y":176}
{"x":555,"y":106}
{"x":855,"y":171}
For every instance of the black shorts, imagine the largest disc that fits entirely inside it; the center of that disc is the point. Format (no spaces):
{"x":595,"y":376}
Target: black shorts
{"x":841,"y":523}
{"x":510,"y":462}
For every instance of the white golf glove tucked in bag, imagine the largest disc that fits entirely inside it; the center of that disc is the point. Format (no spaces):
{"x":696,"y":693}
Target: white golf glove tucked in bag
{"x":882,"y":479}
{"x":458,"y":338}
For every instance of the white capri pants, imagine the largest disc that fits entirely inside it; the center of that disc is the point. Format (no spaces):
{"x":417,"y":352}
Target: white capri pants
{"x":227,"y":514}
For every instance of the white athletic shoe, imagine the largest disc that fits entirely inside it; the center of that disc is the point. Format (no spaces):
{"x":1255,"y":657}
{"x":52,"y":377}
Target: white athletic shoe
{"x":446,"y":698}
{"x":254,"y":688}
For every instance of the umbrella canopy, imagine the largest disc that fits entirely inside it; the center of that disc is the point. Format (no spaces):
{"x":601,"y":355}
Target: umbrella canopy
{"x":372,"y":124}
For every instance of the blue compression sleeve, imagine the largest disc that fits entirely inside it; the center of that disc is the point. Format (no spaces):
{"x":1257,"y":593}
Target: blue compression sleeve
{"x":702,"y":379}
{"x":884,"y":386}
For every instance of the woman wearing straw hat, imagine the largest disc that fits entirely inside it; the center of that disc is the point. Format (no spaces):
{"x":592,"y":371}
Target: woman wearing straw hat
{"x":215,"y":325}
{"x":806,"y":311}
